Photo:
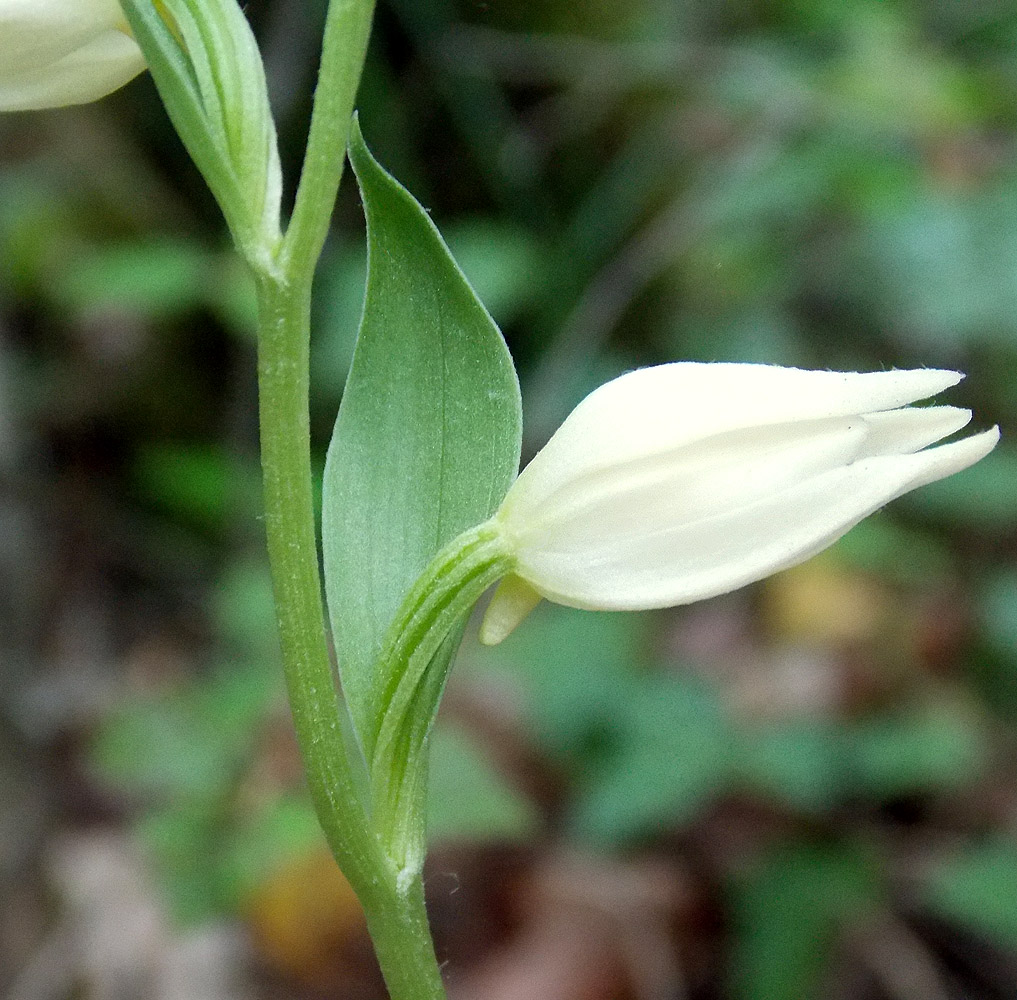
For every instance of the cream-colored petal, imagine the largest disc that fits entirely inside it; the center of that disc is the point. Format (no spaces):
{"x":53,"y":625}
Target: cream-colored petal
{"x":56,"y":52}
{"x":702,"y":479}
{"x":85,"y":74}
{"x":652,"y":410}
{"x":687,"y":561}
{"x":899,"y":432}
{"x":512,"y":601}
{"x":33,"y":31}
{"x":948,"y":459}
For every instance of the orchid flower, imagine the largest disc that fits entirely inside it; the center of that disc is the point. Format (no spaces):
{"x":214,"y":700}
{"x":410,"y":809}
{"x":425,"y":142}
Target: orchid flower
{"x":676,"y":483}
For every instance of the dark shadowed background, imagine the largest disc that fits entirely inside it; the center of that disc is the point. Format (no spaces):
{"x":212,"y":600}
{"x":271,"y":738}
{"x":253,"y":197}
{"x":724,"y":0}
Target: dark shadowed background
{"x":804,"y":789}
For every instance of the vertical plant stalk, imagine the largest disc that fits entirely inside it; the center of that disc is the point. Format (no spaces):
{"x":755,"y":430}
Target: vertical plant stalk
{"x":402,"y":942}
{"x":347,"y":32}
{"x":292,"y":548}
{"x":395,"y":914}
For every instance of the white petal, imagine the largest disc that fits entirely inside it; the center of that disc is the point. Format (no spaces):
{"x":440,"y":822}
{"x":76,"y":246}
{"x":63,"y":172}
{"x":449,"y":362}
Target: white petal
{"x":55,"y":52}
{"x":723,"y":473}
{"x":954,"y":457}
{"x":86,"y":74}
{"x":512,"y":601}
{"x":899,"y":432}
{"x":688,"y":561}
{"x":658,"y":409}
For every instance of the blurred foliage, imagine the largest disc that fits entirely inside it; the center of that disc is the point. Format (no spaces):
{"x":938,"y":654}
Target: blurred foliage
{"x":217,"y":825}
{"x":826,"y":184}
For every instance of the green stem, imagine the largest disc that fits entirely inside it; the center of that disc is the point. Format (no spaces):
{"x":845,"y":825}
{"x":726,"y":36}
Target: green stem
{"x":292,"y":550}
{"x":402,"y":942}
{"x":395,"y":911}
{"x":347,"y":31}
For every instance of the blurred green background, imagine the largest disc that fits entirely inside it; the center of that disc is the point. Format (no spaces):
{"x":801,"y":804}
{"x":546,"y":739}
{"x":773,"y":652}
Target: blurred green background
{"x":804,"y":789}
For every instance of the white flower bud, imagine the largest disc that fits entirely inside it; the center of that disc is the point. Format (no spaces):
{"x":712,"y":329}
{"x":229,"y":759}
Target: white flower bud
{"x":681,"y":482}
{"x":57,"y":52}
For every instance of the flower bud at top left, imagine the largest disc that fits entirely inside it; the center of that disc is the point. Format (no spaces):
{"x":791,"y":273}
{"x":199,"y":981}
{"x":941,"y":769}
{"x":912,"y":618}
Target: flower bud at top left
{"x":59,"y":52}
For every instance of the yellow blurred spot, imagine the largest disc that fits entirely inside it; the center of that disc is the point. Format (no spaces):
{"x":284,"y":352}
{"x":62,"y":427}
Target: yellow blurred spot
{"x":821,"y":601}
{"x":304,"y":915}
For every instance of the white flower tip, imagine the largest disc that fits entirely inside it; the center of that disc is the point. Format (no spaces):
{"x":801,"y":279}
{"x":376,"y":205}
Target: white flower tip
{"x":513,"y":600}
{"x":951,"y":377}
{"x":919,"y":383}
{"x":948,"y":459}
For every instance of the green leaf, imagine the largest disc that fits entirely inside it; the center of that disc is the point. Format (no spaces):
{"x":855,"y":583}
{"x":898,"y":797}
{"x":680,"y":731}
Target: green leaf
{"x":504,"y":263}
{"x":799,"y":761}
{"x":937,"y":747}
{"x":158,"y":278}
{"x":182,"y":845}
{"x":196,"y":484}
{"x":468,"y":799}
{"x":998,"y":612}
{"x":787,"y":915}
{"x":978,"y":886}
{"x":188,"y":746}
{"x":894,"y":552}
{"x":263,"y":841}
{"x":574,"y":668}
{"x":428,"y":435}
{"x":674,"y":755}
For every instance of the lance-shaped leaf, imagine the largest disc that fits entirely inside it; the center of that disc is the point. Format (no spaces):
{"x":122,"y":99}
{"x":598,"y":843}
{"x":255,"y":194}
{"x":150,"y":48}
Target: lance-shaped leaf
{"x":425,"y":446}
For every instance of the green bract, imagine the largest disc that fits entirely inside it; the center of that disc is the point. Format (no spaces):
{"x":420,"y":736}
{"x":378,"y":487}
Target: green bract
{"x":425,"y":447}
{"x":206,"y":64}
